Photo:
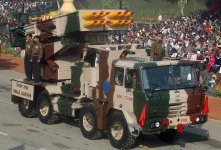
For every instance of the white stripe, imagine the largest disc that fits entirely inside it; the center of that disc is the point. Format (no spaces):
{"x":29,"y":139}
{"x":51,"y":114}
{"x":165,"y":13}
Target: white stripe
{"x":3,"y":133}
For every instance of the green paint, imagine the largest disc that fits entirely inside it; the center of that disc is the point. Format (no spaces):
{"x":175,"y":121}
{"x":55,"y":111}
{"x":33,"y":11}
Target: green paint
{"x":139,"y":101}
{"x":76,"y":72}
{"x":73,"y":23}
{"x":64,"y":105}
{"x":157,"y":101}
{"x":66,"y":90}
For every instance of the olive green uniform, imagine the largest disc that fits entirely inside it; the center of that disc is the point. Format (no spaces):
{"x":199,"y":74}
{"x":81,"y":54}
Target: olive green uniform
{"x":36,"y":58}
{"x":157,"y":51}
{"x":27,"y":60}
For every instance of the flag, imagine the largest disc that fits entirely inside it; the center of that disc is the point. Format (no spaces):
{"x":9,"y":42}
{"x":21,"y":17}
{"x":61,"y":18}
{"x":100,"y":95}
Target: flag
{"x":143,"y":116}
{"x":205,"y":108}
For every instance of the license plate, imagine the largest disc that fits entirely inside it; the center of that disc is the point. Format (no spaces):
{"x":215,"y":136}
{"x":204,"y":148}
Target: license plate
{"x":22,"y":90}
{"x":183,"y":120}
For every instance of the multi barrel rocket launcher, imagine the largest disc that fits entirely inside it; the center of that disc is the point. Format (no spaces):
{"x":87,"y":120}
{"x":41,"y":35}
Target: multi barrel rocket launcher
{"x":111,"y":19}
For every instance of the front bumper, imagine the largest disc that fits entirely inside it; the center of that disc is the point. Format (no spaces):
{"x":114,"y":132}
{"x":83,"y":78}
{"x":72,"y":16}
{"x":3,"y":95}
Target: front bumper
{"x":187,"y":120}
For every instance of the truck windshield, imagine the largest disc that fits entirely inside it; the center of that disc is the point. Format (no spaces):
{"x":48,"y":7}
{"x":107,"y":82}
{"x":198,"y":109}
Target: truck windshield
{"x":169,"y":77}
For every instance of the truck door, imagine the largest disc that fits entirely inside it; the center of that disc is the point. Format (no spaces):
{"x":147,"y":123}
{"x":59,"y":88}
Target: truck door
{"x":123,"y":97}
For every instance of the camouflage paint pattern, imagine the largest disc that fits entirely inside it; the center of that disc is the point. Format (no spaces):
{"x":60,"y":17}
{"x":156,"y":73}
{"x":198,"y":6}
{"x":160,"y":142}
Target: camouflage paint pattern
{"x":63,"y":33}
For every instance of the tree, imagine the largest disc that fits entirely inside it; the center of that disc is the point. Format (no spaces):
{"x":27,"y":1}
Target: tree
{"x":114,"y":4}
{"x":108,"y":4}
{"x":182,"y":4}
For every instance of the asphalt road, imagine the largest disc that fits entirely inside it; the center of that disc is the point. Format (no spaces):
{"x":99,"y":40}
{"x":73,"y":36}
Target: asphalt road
{"x":18,"y":133}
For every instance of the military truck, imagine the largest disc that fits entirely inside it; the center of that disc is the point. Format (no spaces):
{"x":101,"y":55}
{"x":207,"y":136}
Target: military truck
{"x":112,"y":89}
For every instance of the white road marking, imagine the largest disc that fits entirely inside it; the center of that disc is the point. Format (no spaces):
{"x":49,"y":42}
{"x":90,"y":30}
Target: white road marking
{"x":3,"y":133}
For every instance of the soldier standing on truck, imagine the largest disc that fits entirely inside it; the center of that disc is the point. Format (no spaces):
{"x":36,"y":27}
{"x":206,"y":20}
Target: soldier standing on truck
{"x":157,"y":49}
{"x":37,"y":53}
{"x":28,"y":57}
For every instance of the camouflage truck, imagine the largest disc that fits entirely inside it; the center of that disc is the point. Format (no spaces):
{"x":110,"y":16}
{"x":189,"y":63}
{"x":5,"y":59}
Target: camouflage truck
{"x":117,"y":92}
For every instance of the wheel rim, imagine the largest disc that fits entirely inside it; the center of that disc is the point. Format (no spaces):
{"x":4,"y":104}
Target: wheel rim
{"x":26,"y":103}
{"x":88,"y":121}
{"x":117,"y":130}
{"x":44,"y":108}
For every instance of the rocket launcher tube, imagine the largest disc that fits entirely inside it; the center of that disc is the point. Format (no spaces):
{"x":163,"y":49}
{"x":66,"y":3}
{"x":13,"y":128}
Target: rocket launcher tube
{"x":88,"y":23}
{"x":114,"y":22}
{"x":128,"y":22}
{"x":94,"y":15}
{"x":120,"y":22}
{"x":128,"y":14}
{"x":114,"y":15}
{"x":95,"y":23}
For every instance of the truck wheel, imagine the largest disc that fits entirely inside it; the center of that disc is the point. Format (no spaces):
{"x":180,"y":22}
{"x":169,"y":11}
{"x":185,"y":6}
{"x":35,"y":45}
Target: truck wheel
{"x":27,"y":108}
{"x":45,"y":109}
{"x":169,"y":136}
{"x":118,"y":132}
{"x":88,"y":122}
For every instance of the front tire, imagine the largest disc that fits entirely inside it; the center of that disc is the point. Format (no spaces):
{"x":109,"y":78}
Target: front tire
{"x":169,"y":136}
{"x":118,"y":132}
{"x":45,"y":109}
{"x":88,"y":122}
{"x":27,"y":108}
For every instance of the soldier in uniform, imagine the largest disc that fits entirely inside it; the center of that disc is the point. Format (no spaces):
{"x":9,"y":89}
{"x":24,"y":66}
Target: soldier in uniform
{"x":28,"y":57}
{"x":37,"y":54}
{"x":157,"y":49}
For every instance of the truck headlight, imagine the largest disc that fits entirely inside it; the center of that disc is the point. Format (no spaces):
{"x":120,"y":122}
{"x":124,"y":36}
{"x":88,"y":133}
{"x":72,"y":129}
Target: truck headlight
{"x":157,"y":124}
{"x":197,"y":119}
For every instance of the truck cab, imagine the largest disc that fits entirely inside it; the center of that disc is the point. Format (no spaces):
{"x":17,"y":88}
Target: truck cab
{"x":159,"y":97}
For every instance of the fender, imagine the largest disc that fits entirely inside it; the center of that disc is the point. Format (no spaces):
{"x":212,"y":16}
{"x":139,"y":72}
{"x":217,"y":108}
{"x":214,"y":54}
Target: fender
{"x":131,"y":119}
{"x":53,"y":89}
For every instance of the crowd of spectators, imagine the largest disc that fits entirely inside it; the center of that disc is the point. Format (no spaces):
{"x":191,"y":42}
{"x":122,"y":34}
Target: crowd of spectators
{"x":196,"y":36}
{"x":9,"y":9}
{"x":196,"y":33}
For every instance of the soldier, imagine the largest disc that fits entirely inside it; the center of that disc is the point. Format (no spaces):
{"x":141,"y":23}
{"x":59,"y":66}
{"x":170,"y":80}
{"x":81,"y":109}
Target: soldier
{"x":157,"y":49}
{"x":28,"y":56}
{"x":37,"y":53}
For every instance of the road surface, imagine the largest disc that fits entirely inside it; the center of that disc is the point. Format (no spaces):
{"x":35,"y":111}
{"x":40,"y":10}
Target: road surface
{"x":18,"y":133}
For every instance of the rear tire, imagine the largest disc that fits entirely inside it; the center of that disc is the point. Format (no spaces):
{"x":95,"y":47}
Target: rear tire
{"x":118,"y":132}
{"x":45,"y":109}
{"x":27,"y":108}
{"x":169,"y":136}
{"x":88,"y":122}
